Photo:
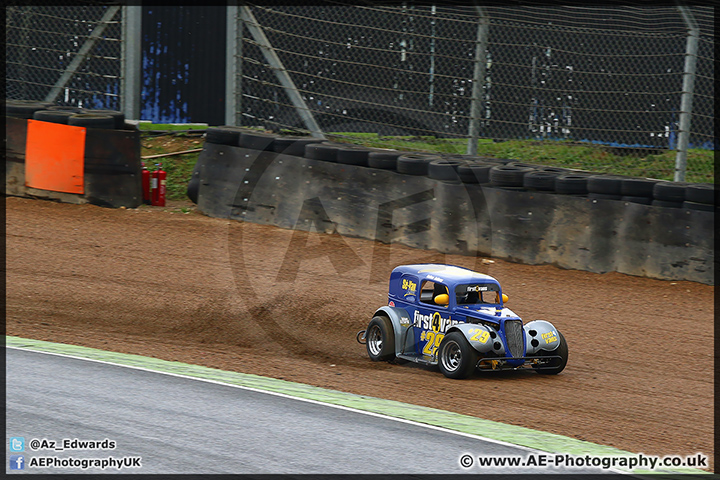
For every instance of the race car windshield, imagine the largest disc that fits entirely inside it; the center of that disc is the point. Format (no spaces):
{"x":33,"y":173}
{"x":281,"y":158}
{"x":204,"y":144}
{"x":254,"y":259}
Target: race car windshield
{"x":477,"y":294}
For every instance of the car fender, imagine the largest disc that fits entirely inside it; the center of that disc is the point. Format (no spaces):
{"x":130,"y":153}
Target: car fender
{"x":478,"y":335}
{"x":541,"y":335}
{"x":400,"y":320}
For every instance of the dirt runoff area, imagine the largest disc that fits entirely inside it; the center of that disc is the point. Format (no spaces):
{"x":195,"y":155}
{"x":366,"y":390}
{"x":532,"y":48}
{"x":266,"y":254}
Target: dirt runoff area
{"x":171,"y":283}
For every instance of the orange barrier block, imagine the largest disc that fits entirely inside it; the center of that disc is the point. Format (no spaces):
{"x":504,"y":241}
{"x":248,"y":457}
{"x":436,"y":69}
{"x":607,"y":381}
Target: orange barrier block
{"x":55,"y":157}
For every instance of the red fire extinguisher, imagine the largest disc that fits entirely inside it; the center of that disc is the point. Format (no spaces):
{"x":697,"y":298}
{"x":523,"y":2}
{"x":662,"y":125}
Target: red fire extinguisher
{"x":145,"y":184}
{"x":158,"y":186}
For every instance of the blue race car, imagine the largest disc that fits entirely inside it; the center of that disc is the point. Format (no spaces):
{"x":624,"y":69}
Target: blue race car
{"x":455,"y":318}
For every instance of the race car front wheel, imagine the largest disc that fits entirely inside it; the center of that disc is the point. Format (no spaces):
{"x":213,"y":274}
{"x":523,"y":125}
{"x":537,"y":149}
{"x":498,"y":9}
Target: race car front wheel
{"x":556,"y":365}
{"x":380,"y":340}
{"x":457,"y":359}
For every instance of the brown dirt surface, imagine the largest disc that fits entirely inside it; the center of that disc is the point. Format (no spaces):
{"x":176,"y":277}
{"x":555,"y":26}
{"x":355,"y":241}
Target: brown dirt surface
{"x":237,"y":296}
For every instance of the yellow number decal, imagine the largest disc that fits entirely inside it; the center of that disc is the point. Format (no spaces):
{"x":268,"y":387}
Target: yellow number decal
{"x":433,"y":342}
{"x":438,"y":338}
{"x":430,"y":337}
{"x":480,"y":335}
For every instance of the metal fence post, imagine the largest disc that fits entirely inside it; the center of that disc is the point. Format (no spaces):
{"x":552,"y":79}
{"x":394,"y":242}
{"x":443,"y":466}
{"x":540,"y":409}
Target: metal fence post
{"x":130,"y":83}
{"x":478,"y":80}
{"x":688,"y":88}
{"x":280,"y":72}
{"x":233,"y":66}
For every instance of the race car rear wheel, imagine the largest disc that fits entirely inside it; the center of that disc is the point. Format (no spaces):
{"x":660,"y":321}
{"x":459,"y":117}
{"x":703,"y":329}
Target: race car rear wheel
{"x":380,"y":340}
{"x":556,"y":365}
{"x":456,"y":358}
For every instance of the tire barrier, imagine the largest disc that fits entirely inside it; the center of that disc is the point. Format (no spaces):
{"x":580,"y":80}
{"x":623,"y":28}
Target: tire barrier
{"x":701,"y":193}
{"x":572,"y":183}
{"x":638,"y":187}
{"x":224,"y":135}
{"x":540,"y":180}
{"x":256,"y":141}
{"x":642,"y":200}
{"x":445,"y":169}
{"x":605,"y":185}
{"x":475,"y":172}
{"x":415,"y":163}
{"x":353,"y":155}
{"x":72,"y":157}
{"x":23,"y":108}
{"x":93,"y":120}
{"x":698,"y":206}
{"x":53,"y":116}
{"x":673,"y":192}
{"x":384,"y":160}
{"x":65,"y":108}
{"x":576,"y":229}
{"x":325,"y":151}
{"x":508,"y":175}
{"x":293,"y":145}
{"x":119,"y":117}
{"x":534,"y":166}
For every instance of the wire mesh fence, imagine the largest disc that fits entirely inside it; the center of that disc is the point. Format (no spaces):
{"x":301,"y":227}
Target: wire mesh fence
{"x":605,"y":75}
{"x":65,"y":54}
{"x":444,"y":73}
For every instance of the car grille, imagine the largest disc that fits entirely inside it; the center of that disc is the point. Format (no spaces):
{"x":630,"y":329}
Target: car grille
{"x":514,"y":335}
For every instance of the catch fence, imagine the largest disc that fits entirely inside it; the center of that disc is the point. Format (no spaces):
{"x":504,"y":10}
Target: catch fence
{"x":621,"y":76}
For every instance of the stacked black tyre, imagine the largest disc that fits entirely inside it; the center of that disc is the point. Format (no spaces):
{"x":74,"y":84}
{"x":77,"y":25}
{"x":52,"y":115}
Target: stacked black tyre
{"x":543,"y":179}
{"x":638,"y":190}
{"x":353,"y":155}
{"x":257,"y":140}
{"x":416,"y":163}
{"x":224,"y":135}
{"x":293,"y":144}
{"x":65,"y":114}
{"x":605,"y":187}
{"x":24,"y":108}
{"x":659,"y":193}
{"x":701,"y":196}
{"x":510,"y":176}
{"x":384,"y":159}
{"x":325,"y":151}
{"x":573,"y":183}
{"x":445,"y":169}
{"x":476,"y":172}
{"x":669,"y":194}
{"x":472,"y":169}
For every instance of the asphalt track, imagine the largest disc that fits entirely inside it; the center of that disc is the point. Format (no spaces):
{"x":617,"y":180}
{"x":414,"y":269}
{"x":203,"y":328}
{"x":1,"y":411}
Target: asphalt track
{"x":182,"y":418}
{"x":180,"y":424}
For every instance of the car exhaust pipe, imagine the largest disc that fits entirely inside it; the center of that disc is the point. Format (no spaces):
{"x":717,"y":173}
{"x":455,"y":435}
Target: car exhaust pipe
{"x":360,"y":337}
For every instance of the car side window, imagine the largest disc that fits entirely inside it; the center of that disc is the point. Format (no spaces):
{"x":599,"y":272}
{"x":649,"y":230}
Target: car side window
{"x":430,"y":290}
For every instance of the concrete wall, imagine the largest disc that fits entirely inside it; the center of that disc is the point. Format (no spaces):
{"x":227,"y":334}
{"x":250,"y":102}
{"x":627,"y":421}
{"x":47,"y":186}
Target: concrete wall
{"x":451,"y":217}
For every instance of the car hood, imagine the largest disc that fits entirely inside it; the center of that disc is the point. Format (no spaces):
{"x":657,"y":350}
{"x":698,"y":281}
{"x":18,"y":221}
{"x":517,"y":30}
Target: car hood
{"x":490,"y":313}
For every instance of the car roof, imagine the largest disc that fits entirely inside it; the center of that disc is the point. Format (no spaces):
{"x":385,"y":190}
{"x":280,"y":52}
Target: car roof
{"x":449,"y":274}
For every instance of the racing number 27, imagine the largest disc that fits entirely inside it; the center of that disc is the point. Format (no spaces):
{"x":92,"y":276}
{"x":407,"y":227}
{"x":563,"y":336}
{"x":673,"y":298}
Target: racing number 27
{"x":433,"y":341}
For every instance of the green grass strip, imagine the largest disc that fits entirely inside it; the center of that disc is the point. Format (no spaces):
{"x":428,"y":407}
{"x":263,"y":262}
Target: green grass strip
{"x":171,"y":127}
{"x":543,"y":441}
